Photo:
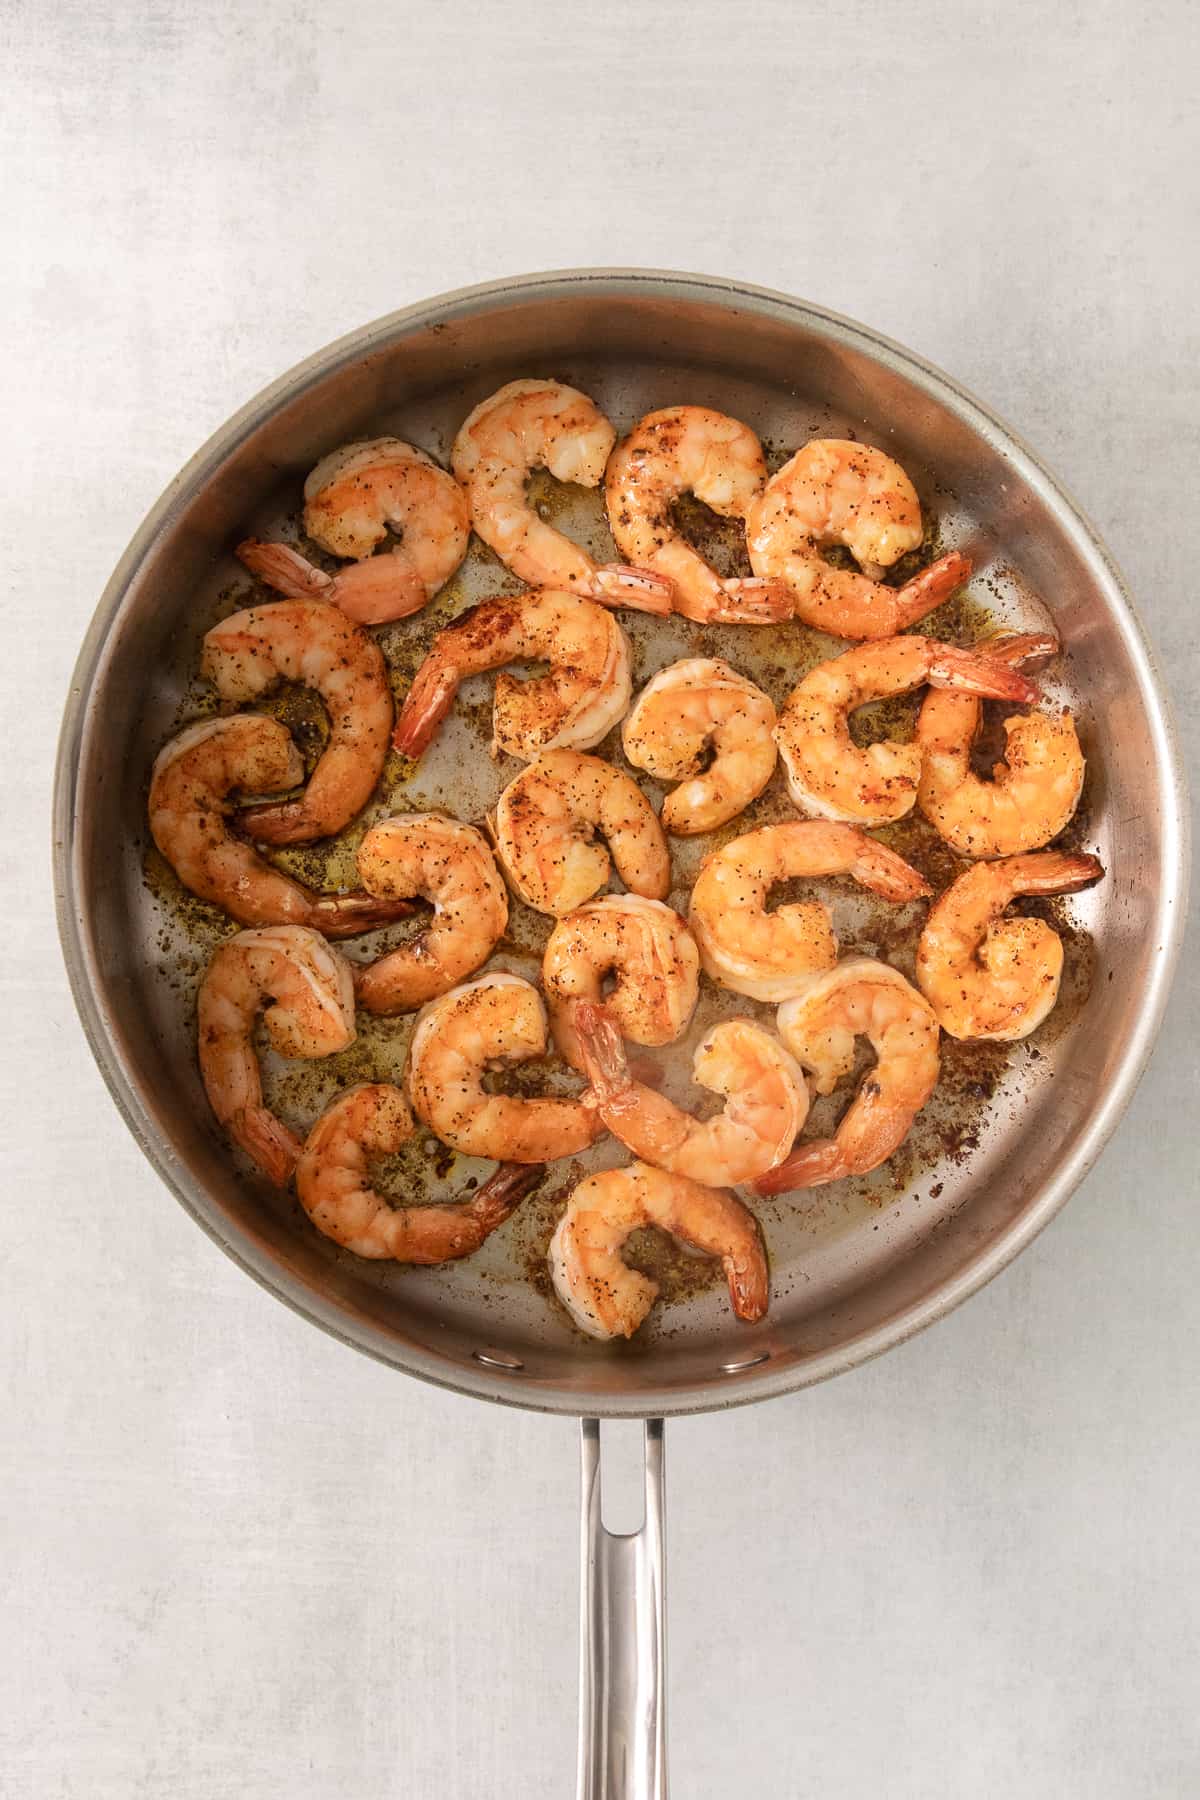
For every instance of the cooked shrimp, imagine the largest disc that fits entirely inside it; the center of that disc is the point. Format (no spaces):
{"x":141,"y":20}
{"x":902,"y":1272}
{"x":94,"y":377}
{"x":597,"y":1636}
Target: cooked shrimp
{"x":860,"y":998}
{"x":766,"y":1101}
{"x":773,"y":955}
{"x":827,"y":774}
{"x":681,"y":450}
{"x":608,"y":1299}
{"x":1034,"y":790}
{"x":986,"y":976}
{"x":834,"y":492}
{"x":693,"y":708}
{"x":530,"y":425}
{"x":648,"y":952}
{"x":549,"y":822}
{"x":305,"y":991}
{"x":427,"y":856}
{"x":194,"y":775}
{"x":489,"y":1023}
{"x":584,"y":693}
{"x":352,"y":499}
{"x":333,"y":1180}
{"x":246,"y":655}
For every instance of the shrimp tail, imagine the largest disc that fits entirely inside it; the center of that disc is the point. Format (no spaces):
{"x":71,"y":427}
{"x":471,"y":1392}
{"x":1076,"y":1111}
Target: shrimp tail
{"x":880,"y":869}
{"x":267,"y":1141}
{"x":1053,"y":872}
{"x":348,"y":915}
{"x":1020,"y":650}
{"x":974,"y":672}
{"x":277,"y":822}
{"x":285,"y":570}
{"x":929,"y":588}
{"x":619,"y":584}
{"x":428,"y":701}
{"x":754,"y":600}
{"x":810,"y":1165}
{"x":749,"y":1281}
{"x":602,"y":1051}
{"x":503,"y":1192}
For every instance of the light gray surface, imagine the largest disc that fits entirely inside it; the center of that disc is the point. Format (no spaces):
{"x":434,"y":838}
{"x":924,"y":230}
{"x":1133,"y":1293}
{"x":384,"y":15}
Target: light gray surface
{"x":238,"y":1560}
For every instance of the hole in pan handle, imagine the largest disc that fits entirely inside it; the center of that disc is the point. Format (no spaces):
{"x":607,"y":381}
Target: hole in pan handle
{"x":622,"y":1647}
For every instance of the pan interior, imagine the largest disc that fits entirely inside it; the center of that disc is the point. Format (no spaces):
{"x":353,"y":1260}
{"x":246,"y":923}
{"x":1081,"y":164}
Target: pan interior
{"x":851,"y":1265}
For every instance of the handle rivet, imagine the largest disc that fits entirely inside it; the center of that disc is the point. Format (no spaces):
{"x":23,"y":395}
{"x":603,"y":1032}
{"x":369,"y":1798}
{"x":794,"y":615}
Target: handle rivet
{"x":746,"y":1362}
{"x":498,"y":1359}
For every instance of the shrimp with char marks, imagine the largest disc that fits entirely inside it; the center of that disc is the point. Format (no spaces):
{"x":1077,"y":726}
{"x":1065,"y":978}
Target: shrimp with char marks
{"x":305,"y":991}
{"x":426,"y":856}
{"x":859,"y":998}
{"x":773,"y":955}
{"x":986,"y":976}
{"x":333,"y":1180}
{"x":648,"y":952}
{"x":766,"y":1101}
{"x":827,"y":774}
{"x":838,"y":492}
{"x":552,"y":823}
{"x":352,"y":499}
{"x":608,"y":1299}
{"x":533,"y":424}
{"x":583,"y":694}
{"x":689,"y":710}
{"x":488,"y":1023}
{"x":681,"y":450}
{"x":1034,"y":790}
{"x":190,"y":809}
{"x":248,"y":654}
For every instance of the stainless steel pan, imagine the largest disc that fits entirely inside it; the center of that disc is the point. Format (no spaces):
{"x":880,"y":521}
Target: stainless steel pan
{"x":850,"y":1278}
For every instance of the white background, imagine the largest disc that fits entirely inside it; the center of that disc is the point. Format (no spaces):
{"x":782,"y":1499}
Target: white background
{"x":238,"y":1559}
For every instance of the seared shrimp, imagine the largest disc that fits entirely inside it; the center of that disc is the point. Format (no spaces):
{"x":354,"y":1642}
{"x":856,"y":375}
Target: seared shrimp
{"x":305,"y":991}
{"x":608,"y":1299}
{"x":333,"y":1180}
{"x":828,"y":775}
{"x":834,"y":492}
{"x":190,"y":808}
{"x":648,"y":952}
{"x":774,"y":955}
{"x":246,"y":655}
{"x":530,"y":425}
{"x":549,"y":823}
{"x":766,"y":1101}
{"x":860,"y":998}
{"x":584,"y":693}
{"x":986,"y":976}
{"x":694,"y":707}
{"x":681,"y":450}
{"x":426,"y":856}
{"x":352,"y":499}
{"x":1033,"y":792}
{"x":490,"y":1023}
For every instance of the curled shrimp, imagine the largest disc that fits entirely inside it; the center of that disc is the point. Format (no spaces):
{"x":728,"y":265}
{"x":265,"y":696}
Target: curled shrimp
{"x":648,"y":952}
{"x":552,"y":823}
{"x":834,"y":492}
{"x":689,"y":710}
{"x":305,"y":991}
{"x":682,"y":450}
{"x":986,"y":976}
{"x":352,"y":499}
{"x":190,"y":808}
{"x":333,"y":1180}
{"x":766,"y":1101}
{"x":246,"y":655}
{"x":1034,"y":790}
{"x":583,"y":694}
{"x":827,"y":774}
{"x":491,"y":1022}
{"x":608,"y":1299}
{"x":528,"y":425}
{"x":859,"y":998}
{"x":426,"y":856}
{"x":773,"y":955}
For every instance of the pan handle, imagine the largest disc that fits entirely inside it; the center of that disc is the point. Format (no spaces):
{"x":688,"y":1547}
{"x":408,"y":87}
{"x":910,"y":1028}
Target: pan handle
{"x":622,"y":1650}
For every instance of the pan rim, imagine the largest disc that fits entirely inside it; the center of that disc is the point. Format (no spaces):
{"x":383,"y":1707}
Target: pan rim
{"x":770,"y":1379}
